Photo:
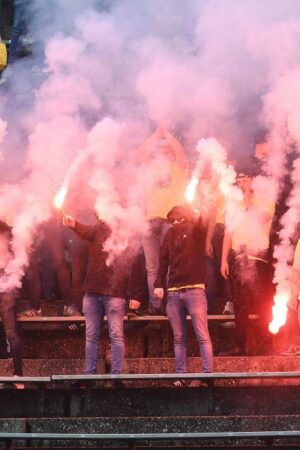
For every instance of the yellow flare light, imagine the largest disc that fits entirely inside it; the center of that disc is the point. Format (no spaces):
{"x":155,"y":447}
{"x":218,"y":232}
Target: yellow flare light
{"x":60,"y":197}
{"x":279,"y":312}
{"x":191,"y":189}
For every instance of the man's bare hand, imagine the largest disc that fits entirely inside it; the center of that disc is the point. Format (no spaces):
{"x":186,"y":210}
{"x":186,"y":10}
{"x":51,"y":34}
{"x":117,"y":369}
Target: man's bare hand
{"x":69,"y":221}
{"x":134,"y":304}
{"x":159,"y":293}
{"x":225,"y":270}
{"x":209,"y":249}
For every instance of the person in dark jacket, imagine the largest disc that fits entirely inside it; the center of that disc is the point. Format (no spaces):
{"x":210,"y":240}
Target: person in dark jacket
{"x":182,"y":258}
{"x":8,"y":301}
{"x":106,"y":288}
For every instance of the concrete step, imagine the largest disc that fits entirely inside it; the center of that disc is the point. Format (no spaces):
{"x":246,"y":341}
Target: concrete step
{"x":163,"y":400}
{"x":180,"y":424}
{"x":50,"y":366}
{"x":153,"y":338}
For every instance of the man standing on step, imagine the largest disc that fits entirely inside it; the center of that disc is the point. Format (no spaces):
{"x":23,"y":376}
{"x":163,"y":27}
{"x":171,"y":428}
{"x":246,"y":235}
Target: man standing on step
{"x":106,"y":288}
{"x":182,"y":261}
{"x":246,"y":261}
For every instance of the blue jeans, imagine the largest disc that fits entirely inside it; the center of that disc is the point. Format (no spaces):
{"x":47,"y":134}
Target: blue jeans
{"x":152,"y":241}
{"x":194,"y":303}
{"x":94,"y":308}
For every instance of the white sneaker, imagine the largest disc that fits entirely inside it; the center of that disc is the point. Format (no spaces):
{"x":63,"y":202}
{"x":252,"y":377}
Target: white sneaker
{"x":228,"y":309}
{"x":293,"y":350}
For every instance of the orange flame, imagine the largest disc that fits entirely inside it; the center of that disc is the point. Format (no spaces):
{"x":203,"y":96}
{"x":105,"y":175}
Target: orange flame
{"x":60,"y":197}
{"x":279,"y":312}
{"x":191,"y":189}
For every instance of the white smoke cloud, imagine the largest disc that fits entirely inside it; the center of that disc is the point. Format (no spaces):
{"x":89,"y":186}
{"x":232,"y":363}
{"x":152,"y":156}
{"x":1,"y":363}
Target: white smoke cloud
{"x":106,"y":72}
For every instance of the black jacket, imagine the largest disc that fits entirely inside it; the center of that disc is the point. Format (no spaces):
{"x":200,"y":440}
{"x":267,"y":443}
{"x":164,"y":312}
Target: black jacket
{"x":183,"y":255}
{"x":113,"y":280}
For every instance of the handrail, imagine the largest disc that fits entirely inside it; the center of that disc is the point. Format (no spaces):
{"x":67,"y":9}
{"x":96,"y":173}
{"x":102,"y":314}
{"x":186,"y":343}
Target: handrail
{"x":16,"y":379}
{"x":155,"y":436}
{"x":146,"y":318}
{"x":177,"y":376}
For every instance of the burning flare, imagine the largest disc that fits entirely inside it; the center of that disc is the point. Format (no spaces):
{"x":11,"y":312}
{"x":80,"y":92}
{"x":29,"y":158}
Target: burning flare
{"x":191,"y":189}
{"x":279,"y":311}
{"x":60,"y":197}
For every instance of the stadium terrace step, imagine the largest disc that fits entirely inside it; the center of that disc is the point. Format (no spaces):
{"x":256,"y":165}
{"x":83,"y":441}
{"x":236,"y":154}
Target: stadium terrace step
{"x":143,"y":338}
{"x":47,"y":367}
{"x":153,"y":395}
{"x":199,"y":430}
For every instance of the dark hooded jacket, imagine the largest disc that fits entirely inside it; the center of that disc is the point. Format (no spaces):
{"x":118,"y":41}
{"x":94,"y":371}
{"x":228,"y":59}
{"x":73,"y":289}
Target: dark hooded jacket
{"x":112,"y":280}
{"x":182,"y":255}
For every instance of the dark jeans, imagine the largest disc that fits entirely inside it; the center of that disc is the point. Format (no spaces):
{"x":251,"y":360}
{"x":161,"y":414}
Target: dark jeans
{"x":78,"y":266}
{"x":216,"y":286}
{"x":152,"y":241}
{"x":8,"y":316}
{"x":33,"y":278}
{"x":252,"y":292}
{"x":55,"y":269}
{"x":19,"y":25}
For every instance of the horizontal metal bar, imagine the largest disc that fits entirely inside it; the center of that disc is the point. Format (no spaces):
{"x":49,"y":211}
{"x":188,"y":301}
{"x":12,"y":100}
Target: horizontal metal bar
{"x":213,"y":317}
{"x":181,"y":376}
{"x":16,"y":379}
{"x":154,"y":436}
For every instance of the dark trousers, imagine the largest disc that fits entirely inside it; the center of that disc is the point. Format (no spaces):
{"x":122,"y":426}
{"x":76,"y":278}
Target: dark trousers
{"x":78,"y":266}
{"x":55,"y":271}
{"x":8,"y":317}
{"x":252,"y":292}
{"x":33,"y":278}
{"x":19,"y":26}
{"x":216,"y":286}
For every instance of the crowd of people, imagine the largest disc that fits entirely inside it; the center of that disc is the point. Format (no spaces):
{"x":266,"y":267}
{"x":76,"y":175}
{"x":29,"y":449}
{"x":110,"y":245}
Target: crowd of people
{"x":193,"y":262}
{"x":196,"y":264}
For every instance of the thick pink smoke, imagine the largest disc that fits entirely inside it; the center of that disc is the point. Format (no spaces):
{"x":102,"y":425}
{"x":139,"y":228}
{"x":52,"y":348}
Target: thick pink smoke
{"x":206,"y":68}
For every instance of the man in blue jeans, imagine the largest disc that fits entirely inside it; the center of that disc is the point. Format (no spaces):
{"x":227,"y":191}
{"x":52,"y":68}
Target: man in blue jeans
{"x":106,"y":289}
{"x":182,"y":258}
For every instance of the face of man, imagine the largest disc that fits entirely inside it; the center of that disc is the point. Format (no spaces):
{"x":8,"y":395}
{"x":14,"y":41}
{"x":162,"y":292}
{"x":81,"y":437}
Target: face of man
{"x":244,"y":183}
{"x":262,"y":150}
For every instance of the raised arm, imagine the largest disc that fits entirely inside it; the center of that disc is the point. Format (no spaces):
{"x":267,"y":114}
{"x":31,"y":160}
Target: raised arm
{"x":86,"y":232}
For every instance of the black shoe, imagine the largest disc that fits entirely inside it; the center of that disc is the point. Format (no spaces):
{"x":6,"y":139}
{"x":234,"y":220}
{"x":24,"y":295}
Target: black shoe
{"x":151,"y":311}
{"x":236,"y":351}
{"x":118,"y":384}
{"x":132,"y":313}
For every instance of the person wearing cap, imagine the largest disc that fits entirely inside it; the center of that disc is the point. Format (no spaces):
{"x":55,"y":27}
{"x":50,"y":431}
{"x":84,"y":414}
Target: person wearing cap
{"x":166,"y":157}
{"x":182,"y":262}
{"x":246,"y":261}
